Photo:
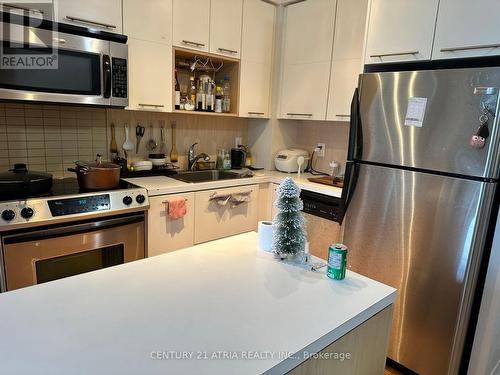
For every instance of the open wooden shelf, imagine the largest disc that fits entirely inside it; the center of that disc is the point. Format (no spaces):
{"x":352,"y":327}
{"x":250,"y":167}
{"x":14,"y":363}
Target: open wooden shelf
{"x":230,"y":67}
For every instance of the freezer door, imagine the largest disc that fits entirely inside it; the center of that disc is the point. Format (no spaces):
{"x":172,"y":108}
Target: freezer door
{"x":422,"y":234}
{"x":449,"y":104}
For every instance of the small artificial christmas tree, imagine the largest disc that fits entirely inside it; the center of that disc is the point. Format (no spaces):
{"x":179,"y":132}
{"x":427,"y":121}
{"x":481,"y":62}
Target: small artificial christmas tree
{"x":289,"y":233}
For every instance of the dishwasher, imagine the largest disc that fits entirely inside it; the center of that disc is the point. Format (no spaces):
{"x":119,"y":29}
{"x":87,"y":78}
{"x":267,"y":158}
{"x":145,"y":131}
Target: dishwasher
{"x":322,"y":214}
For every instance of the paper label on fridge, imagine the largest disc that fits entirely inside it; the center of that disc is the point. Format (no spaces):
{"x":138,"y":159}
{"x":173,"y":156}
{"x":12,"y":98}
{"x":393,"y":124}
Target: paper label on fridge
{"x":415,"y":112}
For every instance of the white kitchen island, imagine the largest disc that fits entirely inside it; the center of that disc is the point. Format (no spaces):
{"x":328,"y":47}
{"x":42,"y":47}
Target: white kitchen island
{"x":221,"y":307}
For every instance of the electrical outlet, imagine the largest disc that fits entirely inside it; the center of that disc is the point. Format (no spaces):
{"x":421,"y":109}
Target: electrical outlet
{"x":320,"y":150}
{"x":237,"y":141}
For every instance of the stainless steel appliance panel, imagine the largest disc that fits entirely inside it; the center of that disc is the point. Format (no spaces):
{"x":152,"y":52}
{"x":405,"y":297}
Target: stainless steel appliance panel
{"x":422,"y":234}
{"x":451,"y":117}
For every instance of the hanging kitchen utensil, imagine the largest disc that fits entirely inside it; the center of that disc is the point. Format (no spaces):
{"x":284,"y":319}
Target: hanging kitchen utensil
{"x":139,"y":133}
{"x":113,"y":147}
{"x":151,"y":145}
{"x":97,"y":175}
{"x":163,"y":145}
{"x":21,"y":183}
{"x":128,"y":145}
{"x":173,"y":153}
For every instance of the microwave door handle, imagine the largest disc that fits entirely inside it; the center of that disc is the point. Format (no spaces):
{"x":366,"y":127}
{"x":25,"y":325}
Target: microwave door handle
{"x":106,"y":73}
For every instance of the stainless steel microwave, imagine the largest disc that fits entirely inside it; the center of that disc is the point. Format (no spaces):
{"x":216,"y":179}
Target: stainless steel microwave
{"x":46,"y":65}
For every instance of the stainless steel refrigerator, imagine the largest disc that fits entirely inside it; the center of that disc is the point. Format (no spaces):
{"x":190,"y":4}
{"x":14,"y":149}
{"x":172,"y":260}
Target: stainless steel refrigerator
{"x":421,"y":181}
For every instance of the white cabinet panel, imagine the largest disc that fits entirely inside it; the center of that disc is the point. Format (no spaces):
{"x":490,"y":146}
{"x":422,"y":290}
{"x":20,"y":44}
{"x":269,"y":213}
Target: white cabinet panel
{"x":304,"y":91}
{"x":258,"y":31}
{"x":350,"y":27}
{"x":96,"y":14}
{"x":225,"y":27}
{"x":343,"y":81}
{"x":214,"y":221}
{"x":255,"y":88}
{"x":165,"y":234}
{"x":256,"y":58}
{"x":158,"y":14}
{"x":150,"y":75}
{"x":191,"y":24}
{"x":467,"y":28}
{"x":400,"y":30}
{"x":308,"y":43}
{"x":309,"y":29}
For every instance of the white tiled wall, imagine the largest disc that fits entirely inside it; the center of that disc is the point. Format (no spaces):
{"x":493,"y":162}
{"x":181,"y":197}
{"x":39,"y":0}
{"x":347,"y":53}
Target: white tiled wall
{"x":49,"y":138}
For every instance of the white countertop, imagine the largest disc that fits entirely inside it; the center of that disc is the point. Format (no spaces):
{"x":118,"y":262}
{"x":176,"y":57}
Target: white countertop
{"x":160,"y":185}
{"x":219,"y":296}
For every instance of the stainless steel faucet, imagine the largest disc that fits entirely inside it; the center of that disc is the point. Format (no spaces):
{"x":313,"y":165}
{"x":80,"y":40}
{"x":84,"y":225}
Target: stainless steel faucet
{"x":192,"y":159}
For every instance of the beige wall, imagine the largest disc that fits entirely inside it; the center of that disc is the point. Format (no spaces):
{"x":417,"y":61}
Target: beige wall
{"x":50,"y":137}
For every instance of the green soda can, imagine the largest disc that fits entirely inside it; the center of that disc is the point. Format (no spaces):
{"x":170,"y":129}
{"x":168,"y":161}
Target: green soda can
{"x":337,"y":261}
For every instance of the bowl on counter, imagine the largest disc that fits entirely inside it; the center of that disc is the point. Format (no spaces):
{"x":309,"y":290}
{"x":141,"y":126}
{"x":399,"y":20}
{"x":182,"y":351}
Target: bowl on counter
{"x":142,"y":165}
{"x":158,"y":160}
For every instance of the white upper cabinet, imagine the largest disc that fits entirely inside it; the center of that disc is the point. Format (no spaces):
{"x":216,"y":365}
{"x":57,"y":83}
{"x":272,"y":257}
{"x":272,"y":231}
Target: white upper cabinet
{"x":347,"y":57}
{"x":150,"y":76}
{"x":256,"y":58}
{"x":158,"y":14}
{"x":401,"y":30}
{"x":467,"y":28}
{"x":191,"y":24}
{"x":225,"y":27}
{"x":308,"y":42}
{"x":95,"y":14}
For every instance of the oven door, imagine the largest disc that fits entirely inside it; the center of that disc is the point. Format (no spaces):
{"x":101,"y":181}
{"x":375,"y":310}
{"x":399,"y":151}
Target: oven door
{"x":44,"y":65}
{"x":41,"y":255}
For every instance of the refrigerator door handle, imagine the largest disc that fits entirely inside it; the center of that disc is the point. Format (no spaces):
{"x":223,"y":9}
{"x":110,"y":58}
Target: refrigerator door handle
{"x":350,"y":181}
{"x":355,"y":148}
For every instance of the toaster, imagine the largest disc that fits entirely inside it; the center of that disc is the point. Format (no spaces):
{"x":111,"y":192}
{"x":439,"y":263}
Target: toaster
{"x":286,"y":160}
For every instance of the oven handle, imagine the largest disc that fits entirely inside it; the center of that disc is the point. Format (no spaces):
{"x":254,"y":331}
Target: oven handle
{"x":68,"y":230}
{"x":106,"y":73}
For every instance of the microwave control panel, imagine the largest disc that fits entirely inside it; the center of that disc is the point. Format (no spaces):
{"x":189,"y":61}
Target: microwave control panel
{"x":119,"y":77}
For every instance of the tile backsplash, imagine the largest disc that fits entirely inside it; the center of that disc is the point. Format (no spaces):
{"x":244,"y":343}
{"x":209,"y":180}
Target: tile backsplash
{"x":49,"y":138}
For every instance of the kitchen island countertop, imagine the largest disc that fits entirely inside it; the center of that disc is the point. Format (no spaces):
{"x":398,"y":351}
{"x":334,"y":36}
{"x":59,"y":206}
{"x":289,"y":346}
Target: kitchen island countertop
{"x":219,"y":297}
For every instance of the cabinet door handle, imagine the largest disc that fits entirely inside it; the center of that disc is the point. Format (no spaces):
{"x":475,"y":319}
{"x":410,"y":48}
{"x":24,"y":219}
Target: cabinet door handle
{"x":343,"y":115}
{"x":227,"y":50}
{"x":256,"y":113}
{"x":90,"y":22}
{"x":151,"y":105}
{"x":59,"y":40}
{"x":299,"y":114}
{"x":483,"y":46}
{"x":197,"y":44}
{"x":30,"y":10}
{"x":396,"y":54}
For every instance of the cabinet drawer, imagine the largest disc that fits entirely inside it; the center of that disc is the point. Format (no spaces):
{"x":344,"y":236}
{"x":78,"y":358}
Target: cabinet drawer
{"x":165,"y":234}
{"x":214,"y":221}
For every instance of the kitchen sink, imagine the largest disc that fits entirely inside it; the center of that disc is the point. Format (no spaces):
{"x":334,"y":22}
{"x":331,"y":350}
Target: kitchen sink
{"x":211,"y":175}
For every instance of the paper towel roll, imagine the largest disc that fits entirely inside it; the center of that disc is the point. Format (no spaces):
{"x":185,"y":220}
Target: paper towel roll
{"x":266,"y":229}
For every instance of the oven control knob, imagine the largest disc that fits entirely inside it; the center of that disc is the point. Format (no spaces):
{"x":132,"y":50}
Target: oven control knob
{"x":140,"y":199}
{"x":27,"y":212}
{"x":8,"y":215}
{"x":127,"y":200}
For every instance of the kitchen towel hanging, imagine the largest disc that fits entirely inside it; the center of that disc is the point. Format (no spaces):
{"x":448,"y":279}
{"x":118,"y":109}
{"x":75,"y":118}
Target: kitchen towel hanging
{"x":176,"y":208}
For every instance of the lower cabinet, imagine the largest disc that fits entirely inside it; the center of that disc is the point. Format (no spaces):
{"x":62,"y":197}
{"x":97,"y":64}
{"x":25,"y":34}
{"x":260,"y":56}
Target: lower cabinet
{"x":215,"y":220}
{"x":165,"y":234}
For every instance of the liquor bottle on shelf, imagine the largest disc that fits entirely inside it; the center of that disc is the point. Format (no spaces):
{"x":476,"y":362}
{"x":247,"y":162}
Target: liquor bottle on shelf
{"x":199,"y":97}
{"x":192,"y":91}
{"x":177,"y":93}
{"x":218,"y":99}
{"x":210,"y":96}
{"x":226,"y":95}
